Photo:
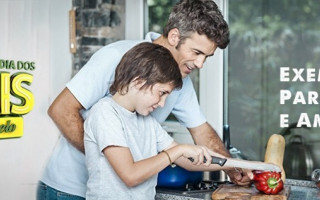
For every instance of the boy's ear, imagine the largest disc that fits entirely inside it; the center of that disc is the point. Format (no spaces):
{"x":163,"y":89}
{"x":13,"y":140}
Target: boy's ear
{"x":138,"y":83}
{"x":174,"y":37}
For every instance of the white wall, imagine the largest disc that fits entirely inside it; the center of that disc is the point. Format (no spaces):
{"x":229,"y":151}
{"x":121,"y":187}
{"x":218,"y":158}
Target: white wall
{"x":211,"y":85}
{"x":33,"y":30}
{"x":134,"y":20}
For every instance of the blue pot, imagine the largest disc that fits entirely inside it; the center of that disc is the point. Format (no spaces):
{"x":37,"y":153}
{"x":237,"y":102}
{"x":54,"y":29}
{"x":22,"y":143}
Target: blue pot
{"x":178,"y":177}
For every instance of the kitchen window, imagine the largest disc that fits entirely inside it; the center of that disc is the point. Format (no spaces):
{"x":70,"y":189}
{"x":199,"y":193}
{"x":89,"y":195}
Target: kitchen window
{"x":241,"y":85}
{"x":268,"y":35}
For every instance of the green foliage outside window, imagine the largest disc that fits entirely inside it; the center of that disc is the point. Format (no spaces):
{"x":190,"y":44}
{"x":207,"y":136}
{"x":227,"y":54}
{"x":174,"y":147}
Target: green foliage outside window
{"x":159,"y":11}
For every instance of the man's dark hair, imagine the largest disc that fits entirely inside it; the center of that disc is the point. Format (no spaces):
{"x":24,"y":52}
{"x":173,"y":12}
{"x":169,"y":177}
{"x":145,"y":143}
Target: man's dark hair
{"x":200,"y":16}
{"x":147,"y":62}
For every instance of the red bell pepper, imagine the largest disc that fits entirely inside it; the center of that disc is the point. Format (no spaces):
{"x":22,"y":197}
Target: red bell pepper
{"x":268,"y":182}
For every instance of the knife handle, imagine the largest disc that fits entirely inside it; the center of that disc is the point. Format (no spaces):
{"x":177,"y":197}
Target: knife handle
{"x":219,"y":161}
{"x":215,"y":160}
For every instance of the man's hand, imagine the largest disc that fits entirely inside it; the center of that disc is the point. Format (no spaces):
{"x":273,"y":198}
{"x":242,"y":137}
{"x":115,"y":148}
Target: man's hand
{"x":240,"y":176}
{"x":206,"y":135}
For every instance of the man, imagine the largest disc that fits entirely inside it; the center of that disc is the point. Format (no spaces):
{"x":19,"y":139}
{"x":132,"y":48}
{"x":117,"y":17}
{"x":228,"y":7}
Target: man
{"x":194,"y":31}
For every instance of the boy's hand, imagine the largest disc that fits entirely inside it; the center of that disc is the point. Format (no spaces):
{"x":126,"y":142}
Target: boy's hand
{"x":199,"y":154}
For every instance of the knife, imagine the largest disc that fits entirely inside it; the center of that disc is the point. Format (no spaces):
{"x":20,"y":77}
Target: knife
{"x":245,"y":164}
{"x":215,"y":160}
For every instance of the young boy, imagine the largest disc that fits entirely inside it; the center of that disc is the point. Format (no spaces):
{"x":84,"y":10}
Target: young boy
{"x":122,"y":140}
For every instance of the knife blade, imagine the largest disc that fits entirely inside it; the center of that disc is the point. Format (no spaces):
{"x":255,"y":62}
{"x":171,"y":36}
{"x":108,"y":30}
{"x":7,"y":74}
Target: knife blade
{"x":245,"y":164}
{"x":252,"y":165}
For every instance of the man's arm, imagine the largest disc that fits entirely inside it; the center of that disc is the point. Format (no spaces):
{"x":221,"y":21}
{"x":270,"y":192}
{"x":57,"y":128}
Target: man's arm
{"x":206,"y":135}
{"x":65,"y":112}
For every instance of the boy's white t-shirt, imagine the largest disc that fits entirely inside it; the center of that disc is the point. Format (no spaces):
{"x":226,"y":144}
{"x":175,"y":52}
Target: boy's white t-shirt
{"x":66,"y":170}
{"x":109,"y":124}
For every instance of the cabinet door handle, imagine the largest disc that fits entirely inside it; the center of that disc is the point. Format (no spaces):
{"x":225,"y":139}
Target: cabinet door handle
{"x":72,"y":31}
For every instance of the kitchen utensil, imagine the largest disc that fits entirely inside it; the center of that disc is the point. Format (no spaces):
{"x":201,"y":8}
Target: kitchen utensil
{"x":315,"y":176}
{"x":237,"y":163}
{"x":231,"y":162}
{"x":177,"y":177}
{"x":215,"y":160}
{"x":227,"y":190}
{"x":298,"y":161}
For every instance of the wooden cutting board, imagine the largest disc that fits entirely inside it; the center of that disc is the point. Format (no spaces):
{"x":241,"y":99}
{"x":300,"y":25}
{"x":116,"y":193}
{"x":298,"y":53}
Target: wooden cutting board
{"x":231,"y":191}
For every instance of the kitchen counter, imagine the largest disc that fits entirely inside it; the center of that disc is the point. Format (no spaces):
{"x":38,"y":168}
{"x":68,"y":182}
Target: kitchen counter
{"x":299,"y":190}
{"x":303,"y":190}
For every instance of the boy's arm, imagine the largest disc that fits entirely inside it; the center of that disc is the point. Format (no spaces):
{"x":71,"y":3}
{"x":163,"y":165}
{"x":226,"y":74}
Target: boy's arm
{"x":133,"y":173}
{"x":187,"y":164}
{"x":130,"y":172}
{"x":65,"y":112}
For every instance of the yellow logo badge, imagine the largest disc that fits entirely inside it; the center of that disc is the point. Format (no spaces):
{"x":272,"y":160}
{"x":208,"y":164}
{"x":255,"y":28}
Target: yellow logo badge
{"x":15,"y":101}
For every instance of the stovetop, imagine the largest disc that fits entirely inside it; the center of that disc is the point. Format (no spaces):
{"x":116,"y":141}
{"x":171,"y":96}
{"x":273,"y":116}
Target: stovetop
{"x":204,"y":186}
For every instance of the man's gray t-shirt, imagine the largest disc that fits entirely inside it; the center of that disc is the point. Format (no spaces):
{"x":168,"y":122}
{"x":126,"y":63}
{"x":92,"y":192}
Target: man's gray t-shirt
{"x":109,"y":124}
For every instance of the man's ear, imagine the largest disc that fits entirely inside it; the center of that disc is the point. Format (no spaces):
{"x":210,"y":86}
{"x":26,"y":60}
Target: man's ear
{"x":174,"y":37}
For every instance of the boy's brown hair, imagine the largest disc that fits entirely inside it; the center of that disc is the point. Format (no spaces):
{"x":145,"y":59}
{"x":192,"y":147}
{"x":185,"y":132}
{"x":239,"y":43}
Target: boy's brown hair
{"x":147,"y":62}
